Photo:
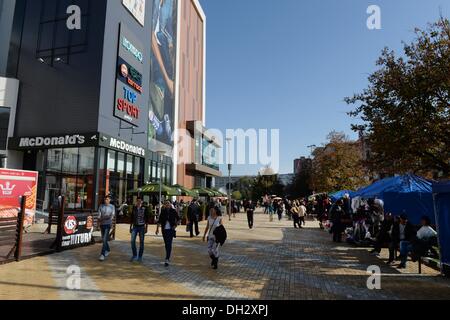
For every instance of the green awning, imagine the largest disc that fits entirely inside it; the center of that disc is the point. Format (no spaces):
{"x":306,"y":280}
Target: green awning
{"x":185,"y":192}
{"x":204,"y":192}
{"x":153,"y":189}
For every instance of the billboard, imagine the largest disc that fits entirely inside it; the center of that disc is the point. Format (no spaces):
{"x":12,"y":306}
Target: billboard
{"x":137,"y":9}
{"x":162,"y":74}
{"x":13,"y":185}
{"x":77,"y":231}
{"x":129,"y":103}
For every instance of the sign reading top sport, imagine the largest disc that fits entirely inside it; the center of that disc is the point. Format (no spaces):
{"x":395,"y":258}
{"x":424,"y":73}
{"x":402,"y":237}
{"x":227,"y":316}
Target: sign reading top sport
{"x":129,"y":103}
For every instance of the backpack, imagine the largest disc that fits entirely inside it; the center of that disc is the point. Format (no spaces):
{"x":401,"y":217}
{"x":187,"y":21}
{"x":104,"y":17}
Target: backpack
{"x":221,"y":235}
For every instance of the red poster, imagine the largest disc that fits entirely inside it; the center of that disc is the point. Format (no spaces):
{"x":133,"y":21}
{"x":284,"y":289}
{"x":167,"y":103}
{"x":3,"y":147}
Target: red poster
{"x":13,"y":185}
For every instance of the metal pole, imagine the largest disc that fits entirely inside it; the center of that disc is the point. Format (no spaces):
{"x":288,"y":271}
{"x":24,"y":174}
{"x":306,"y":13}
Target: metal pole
{"x":160,"y":185}
{"x":229,"y":191}
{"x":229,"y":177}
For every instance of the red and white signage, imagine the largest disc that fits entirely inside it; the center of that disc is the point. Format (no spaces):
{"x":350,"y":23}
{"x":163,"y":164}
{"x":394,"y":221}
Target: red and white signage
{"x":13,"y":185}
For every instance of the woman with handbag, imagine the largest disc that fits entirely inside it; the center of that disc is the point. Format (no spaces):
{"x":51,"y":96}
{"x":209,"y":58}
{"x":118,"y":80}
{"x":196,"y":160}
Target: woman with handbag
{"x":215,"y":220}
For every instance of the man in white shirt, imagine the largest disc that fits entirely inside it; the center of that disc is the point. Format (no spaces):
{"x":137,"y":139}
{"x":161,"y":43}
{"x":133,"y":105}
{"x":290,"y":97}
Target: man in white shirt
{"x":426,"y":232}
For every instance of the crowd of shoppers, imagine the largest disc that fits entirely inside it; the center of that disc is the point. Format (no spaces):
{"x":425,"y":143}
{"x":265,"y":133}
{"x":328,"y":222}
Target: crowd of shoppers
{"x":368,"y":224}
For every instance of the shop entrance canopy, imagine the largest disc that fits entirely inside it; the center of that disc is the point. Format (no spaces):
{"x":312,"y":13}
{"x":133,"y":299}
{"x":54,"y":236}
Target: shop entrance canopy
{"x":409,"y":194}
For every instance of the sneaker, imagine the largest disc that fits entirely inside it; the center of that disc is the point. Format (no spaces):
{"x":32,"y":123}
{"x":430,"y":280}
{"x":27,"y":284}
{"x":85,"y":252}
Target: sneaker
{"x":102,"y":258}
{"x":401,"y":266}
{"x":167,"y":263}
{"x":133,"y":259}
{"x":375,"y":254}
{"x":140,"y":260}
{"x":107,"y":253}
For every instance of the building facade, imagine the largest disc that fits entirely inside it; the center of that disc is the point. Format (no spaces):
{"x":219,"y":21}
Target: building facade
{"x":98,"y":107}
{"x":302,"y":164}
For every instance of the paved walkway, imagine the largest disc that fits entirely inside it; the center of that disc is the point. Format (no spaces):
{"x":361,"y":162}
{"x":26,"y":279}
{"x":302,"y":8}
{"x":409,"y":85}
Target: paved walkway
{"x":272,"y":261}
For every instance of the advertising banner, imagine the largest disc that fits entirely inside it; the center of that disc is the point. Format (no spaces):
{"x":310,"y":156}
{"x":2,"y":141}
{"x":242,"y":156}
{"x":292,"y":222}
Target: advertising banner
{"x":129,"y":103}
{"x":13,"y":185}
{"x":137,"y":9}
{"x":77,"y":230}
{"x":163,"y":72}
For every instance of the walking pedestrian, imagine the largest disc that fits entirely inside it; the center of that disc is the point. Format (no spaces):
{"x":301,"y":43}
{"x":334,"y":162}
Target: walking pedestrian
{"x":168,"y":221}
{"x":336,"y":214}
{"x":139,"y":226}
{"x":271,"y":210}
{"x":302,"y":213}
{"x":193,"y":217}
{"x":106,"y":214}
{"x":214,"y":220}
{"x":250,"y":214}
{"x":280,"y":210}
{"x":295,"y":215}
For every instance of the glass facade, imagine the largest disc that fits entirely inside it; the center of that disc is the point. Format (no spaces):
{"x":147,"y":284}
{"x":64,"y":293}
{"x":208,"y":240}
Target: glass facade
{"x":70,"y":173}
{"x":84,"y":181}
{"x":157,"y":168}
{"x":119,"y":174}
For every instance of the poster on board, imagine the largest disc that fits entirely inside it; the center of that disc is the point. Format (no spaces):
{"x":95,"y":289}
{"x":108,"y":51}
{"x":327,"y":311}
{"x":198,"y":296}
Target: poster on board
{"x":13,"y":185}
{"x":137,"y":9}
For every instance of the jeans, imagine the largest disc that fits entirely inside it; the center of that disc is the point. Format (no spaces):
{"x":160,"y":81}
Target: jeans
{"x":105,"y":230}
{"x":405,"y":248}
{"x":138,"y":230}
{"x":168,"y":236}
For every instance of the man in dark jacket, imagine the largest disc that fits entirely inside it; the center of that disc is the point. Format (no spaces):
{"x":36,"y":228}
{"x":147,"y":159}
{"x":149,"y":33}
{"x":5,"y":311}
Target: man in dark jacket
{"x":403,"y":235}
{"x":168,"y":221}
{"x":140,"y":216}
{"x":192,"y":215}
{"x":337,"y":214}
{"x":250,"y":213}
{"x":384,"y":236}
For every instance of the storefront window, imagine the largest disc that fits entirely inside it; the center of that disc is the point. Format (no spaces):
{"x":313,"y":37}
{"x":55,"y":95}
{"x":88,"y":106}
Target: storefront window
{"x":85,"y":180}
{"x":70,"y":161}
{"x":124,"y":174}
{"x":101,"y":174}
{"x":111,"y":160}
{"x":54,"y":160}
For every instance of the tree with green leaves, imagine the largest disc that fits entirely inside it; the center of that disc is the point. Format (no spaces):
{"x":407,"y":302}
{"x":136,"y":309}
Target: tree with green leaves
{"x":405,"y":108}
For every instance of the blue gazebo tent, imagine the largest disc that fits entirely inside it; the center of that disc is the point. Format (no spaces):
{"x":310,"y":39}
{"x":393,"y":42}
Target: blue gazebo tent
{"x":409,"y":194}
{"x":340,"y":194}
{"x":441,"y":195}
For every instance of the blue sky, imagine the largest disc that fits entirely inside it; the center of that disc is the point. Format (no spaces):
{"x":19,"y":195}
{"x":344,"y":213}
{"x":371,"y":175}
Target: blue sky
{"x":288,"y":64}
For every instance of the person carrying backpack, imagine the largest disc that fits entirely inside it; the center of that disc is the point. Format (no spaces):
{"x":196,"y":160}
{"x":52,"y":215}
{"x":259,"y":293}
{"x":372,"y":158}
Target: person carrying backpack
{"x":215,"y":220}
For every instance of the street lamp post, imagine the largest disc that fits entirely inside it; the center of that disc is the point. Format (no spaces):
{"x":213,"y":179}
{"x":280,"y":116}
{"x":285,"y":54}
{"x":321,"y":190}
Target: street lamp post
{"x":229,"y":177}
{"x":160,"y":158}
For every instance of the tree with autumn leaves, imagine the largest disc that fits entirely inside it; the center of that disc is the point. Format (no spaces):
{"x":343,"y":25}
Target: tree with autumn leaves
{"x":406,"y":107}
{"x":337,"y":165}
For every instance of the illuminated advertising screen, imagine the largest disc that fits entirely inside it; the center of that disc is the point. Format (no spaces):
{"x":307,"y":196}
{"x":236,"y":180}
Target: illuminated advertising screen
{"x":162,"y":74}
